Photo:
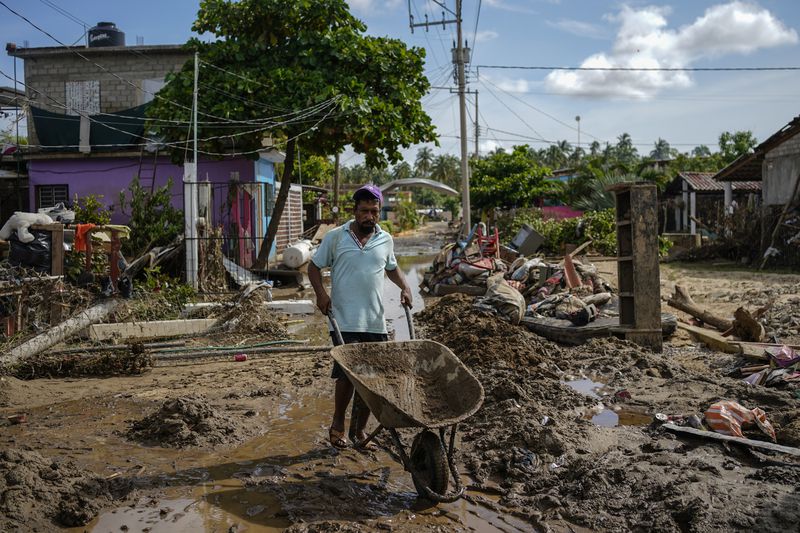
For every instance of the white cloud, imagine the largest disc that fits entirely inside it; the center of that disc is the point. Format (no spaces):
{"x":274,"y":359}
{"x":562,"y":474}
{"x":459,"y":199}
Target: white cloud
{"x":485,"y":35}
{"x":511,"y":85}
{"x":645,"y":41}
{"x":579,"y":28}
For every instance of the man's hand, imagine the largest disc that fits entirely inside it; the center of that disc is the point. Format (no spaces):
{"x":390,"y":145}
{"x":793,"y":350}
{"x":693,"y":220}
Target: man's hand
{"x":324,"y":303}
{"x":406,"y":298}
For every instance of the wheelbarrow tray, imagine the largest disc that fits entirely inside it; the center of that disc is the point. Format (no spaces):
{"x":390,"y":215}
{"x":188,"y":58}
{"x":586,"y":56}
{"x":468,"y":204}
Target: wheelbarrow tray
{"x":418,"y":383}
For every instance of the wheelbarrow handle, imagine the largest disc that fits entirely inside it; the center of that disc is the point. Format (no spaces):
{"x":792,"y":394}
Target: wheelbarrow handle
{"x":411,"y":333}
{"x":335,"y":327}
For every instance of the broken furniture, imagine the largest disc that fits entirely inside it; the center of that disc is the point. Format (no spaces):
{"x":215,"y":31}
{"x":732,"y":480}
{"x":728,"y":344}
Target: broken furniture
{"x":637,"y":263}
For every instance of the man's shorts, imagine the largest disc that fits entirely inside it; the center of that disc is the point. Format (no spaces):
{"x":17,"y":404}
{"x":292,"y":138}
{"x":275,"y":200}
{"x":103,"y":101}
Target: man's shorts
{"x":350,"y":338}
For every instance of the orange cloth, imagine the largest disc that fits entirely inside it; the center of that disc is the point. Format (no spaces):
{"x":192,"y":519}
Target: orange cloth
{"x":80,"y":236}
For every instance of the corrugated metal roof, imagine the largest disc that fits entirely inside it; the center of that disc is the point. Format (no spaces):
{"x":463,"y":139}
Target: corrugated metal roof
{"x":704,"y":181}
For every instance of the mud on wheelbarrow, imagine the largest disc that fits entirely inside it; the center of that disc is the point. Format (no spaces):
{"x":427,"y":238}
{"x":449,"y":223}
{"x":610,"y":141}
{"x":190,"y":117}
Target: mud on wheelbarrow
{"x":415,"y":384}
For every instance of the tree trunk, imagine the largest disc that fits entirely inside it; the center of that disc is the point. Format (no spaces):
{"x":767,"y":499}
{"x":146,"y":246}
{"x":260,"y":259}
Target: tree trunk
{"x":682,"y":301}
{"x":60,"y":332}
{"x":280,"y":203}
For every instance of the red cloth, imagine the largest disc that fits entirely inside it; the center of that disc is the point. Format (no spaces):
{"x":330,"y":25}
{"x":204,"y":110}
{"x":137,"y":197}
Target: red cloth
{"x":80,"y":236}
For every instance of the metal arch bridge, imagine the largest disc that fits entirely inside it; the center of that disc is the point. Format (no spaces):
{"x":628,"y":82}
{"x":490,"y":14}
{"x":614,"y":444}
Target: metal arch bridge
{"x":419,"y":182}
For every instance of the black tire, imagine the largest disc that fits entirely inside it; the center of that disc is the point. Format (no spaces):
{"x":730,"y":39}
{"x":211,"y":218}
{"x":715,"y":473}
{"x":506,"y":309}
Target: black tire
{"x":429,"y":463}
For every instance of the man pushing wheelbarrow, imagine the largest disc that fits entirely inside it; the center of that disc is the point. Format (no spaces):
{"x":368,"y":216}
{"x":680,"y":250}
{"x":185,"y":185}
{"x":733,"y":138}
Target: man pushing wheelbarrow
{"x":358,"y":253}
{"x":412,"y":384}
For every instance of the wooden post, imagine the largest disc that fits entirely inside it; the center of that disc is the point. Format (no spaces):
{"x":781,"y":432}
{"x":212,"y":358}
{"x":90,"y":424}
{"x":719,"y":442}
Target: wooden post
{"x":637,"y":257}
{"x":56,"y":246}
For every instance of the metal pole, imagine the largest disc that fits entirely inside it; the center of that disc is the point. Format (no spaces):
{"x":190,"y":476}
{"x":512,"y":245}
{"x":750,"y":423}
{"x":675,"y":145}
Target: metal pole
{"x":477,"y":127}
{"x":462,"y":104}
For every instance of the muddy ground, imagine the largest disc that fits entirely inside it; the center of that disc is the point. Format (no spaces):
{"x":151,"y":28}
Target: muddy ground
{"x":242,"y":446}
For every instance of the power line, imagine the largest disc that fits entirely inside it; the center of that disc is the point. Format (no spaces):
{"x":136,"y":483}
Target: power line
{"x":644,"y":69}
{"x":475,"y":31}
{"x":548,"y":115}
{"x":512,"y":111}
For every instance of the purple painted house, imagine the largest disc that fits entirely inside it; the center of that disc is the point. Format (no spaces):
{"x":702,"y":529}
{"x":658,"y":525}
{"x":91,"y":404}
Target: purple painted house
{"x":86,"y":132}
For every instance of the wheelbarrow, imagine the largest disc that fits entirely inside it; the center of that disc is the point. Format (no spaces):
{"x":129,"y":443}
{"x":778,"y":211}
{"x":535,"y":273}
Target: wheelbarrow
{"x":414,"y":384}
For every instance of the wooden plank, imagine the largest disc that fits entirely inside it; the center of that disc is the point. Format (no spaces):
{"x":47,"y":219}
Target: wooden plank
{"x":736,"y":440}
{"x":710,"y":338}
{"x":57,"y":250}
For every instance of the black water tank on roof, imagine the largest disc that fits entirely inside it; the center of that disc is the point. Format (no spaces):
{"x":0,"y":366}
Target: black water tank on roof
{"x":106,"y":34}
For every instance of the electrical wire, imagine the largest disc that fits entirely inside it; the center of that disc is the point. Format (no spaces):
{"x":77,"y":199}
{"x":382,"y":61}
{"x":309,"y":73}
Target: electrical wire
{"x":644,"y":69}
{"x":548,"y":115}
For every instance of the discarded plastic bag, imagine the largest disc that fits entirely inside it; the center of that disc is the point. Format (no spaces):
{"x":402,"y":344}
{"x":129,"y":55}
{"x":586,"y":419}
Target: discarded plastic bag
{"x":729,"y":418}
{"x":783,"y":355}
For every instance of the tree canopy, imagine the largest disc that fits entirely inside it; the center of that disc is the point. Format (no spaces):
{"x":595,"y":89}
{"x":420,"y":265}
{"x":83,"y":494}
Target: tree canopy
{"x":301,"y":71}
{"x":509,"y":179}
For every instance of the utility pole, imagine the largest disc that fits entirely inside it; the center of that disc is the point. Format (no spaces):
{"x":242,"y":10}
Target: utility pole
{"x":578,"y":120}
{"x":190,"y":194}
{"x":477,"y":127}
{"x":460,"y":59}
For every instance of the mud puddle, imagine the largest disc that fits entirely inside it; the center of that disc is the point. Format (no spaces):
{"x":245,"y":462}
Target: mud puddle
{"x":608,"y":416}
{"x":286,"y":476}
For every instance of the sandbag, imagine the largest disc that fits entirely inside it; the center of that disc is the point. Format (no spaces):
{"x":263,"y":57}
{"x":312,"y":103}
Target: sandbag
{"x":502,"y":299}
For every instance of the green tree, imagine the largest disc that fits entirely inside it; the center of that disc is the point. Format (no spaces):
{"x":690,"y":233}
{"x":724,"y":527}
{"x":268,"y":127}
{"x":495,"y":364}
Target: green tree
{"x":402,"y":171}
{"x":662,"y":150}
{"x":447,"y":169}
{"x":310,"y":66}
{"x":509,"y":179}
{"x":625,"y":152}
{"x":424,"y":162}
{"x":701,"y":151}
{"x":736,"y":144}
{"x":153,"y":220}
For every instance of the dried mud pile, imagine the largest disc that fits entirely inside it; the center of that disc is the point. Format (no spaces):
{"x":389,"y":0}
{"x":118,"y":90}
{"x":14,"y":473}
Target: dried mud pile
{"x":534,"y":441}
{"x":39,"y":494}
{"x":184,"y":422}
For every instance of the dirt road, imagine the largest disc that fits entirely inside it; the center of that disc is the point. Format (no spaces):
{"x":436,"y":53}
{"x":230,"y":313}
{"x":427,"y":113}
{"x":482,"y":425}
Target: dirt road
{"x":554,"y":447}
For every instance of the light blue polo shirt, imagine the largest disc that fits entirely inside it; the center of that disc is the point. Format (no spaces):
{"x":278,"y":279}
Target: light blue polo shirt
{"x":357,"y":276}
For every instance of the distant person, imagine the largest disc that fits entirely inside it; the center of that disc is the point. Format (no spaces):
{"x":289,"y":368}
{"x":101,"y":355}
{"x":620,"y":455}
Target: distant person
{"x":358,"y":253}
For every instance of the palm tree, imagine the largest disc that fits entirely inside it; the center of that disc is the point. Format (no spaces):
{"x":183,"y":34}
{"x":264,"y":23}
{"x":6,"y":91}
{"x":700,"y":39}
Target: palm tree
{"x":447,"y":169}
{"x":661,"y":150}
{"x":402,"y":171}
{"x":423,"y":162}
{"x":597,"y":198}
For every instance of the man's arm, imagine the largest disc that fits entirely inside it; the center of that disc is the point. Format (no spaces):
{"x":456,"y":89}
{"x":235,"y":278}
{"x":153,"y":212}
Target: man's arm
{"x":397,"y":277}
{"x":315,"y":277}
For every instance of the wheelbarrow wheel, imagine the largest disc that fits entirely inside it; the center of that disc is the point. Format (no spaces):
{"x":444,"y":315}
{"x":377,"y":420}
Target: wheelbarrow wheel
{"x":429,"y":463}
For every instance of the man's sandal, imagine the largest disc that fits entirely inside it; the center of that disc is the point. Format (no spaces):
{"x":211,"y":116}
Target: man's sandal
{"x":337,"y":438}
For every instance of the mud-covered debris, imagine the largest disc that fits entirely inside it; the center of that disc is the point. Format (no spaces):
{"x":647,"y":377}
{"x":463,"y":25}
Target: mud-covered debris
{"x":186,"y":421}
{"x":250,"y":315}
{"x":37,"y":493}
{"x":134,"y":362}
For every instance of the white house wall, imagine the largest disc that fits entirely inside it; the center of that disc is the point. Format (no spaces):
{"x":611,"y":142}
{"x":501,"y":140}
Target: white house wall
{"x":781,"y":169}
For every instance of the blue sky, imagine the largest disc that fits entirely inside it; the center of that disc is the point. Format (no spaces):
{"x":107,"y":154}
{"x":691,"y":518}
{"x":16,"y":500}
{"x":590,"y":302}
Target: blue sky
{"x":685,"y":108}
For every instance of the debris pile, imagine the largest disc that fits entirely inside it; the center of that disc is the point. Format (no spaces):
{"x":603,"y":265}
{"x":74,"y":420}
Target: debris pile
{"x":37,"y":493}
{"x":569,"y":290}
{"x":184,"y":422}
{"x":131,"y":363}
{"x":249,"y":315}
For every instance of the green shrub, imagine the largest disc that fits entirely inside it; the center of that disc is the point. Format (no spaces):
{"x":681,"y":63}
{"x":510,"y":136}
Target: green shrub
{"x":90,"y":210}
{"x":598,"y":226}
